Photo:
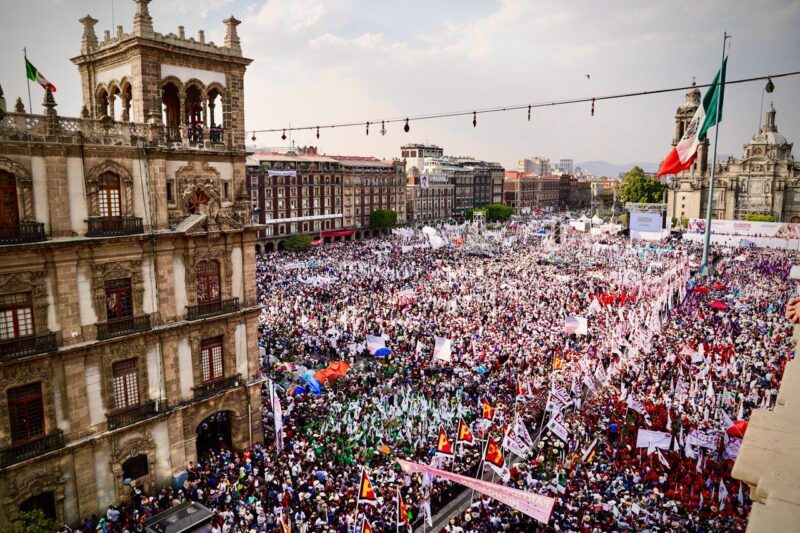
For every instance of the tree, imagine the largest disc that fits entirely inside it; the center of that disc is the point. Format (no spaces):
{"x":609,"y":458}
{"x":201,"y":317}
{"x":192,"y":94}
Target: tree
{"x":298,"y":242}
{"x":755,"y":217}
{"x":30,"y":522}
{"x":383,"y":219}
{"x":498,"y":212}
{"x":636,"y":187}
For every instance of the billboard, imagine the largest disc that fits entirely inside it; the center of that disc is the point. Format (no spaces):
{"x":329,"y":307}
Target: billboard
{"x":743,"y":228}
{"x":646,"y":221}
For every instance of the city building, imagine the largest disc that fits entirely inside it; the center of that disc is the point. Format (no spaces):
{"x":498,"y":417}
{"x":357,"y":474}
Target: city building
{"x":764,"y":181}
{"x":462,"y":178}
{"x":414,"y":154}
{"x":579,"y":195}
{"x":565,"y":166}
{"x":602,"y":191}
{"x":429,"y":199}
{"x":498,"y":174}
{"x":327,"y":197}
{"x":529,"y":192}
{"x":295,"y":193}
{"x":127,"y":282}
{"x":539,"y":166}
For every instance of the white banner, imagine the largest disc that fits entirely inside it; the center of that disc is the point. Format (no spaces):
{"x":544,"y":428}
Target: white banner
{"x":558,"y":429}
{"x":442,"y":349}
{"x":646,"y":438}
{"x":277,"y":413}
{"x":514,"y":442}
{"x":704,"y":440}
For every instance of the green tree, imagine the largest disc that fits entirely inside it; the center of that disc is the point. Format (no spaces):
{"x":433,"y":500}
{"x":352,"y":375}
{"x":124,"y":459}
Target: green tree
{"x":498,"y":212}
{"x":638,"y":188}
{"x":30,"y":522}
{"x":383,"y":219}
{"x":623,"y":219}
{"x":755,"y":217}
{"x":298,"y":242}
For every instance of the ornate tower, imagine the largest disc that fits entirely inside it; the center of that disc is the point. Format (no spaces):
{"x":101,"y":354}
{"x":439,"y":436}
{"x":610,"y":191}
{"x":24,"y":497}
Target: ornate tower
{"x":195,"y":88}
{"x":683,"y":116}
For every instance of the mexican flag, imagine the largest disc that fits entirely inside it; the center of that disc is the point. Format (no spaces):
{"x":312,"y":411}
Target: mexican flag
{"x":682,"y":155}
{"x":35,"y":75}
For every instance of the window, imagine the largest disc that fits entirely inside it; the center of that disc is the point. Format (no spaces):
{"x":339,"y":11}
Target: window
{"x":16,"y":315}
{"x":108,"y":197}
{"x":135,"y":467}
{"x":26,"y":411}
{"x":9,"y":209}
{"x":126,"y":384}
{"x":225,"y":190}
{"x":118,"y":299}
{"x":208,"y":283}
{"x":211,"y":360}
{"x":170,"y":192}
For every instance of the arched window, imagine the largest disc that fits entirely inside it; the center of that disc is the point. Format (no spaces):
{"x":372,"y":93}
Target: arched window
{"x":208,"y":284}
{"x":195,"y":200}
{"x":108,"y":196}
{"x":45,"y":502}
{"x":135,"y":467}
{"x":9,"y":207}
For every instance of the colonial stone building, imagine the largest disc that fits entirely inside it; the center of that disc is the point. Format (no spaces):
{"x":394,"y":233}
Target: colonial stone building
{"x":429,"y":198}
{"x":766,"y":180}
{"x":128,"y":309}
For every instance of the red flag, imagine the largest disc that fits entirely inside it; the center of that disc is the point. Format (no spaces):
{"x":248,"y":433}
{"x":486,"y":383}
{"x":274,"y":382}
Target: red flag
{"x":494,"y":454}
{"x":365,"y":527}
{"x":366,"y":494}
{"x":557,"y":363}
{"x":522,"y":389}
{"x":464,"y":434}
{"x":445,"y":445}
{"x":487,"y":411}
{"x":402,"y":512}
{"x":285,"y":525}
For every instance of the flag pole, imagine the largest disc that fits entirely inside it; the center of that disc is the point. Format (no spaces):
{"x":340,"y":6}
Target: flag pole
{"x":704,"y":268}
{"x":25,"y":55}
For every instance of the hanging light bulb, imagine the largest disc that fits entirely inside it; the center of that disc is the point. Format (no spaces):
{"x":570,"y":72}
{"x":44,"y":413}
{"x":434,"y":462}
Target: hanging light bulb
{"x":317,"y":132}
{"x":383,"y":127}
{"x":367,"y":128}
{"x":406,"y":128}
{"x":283,"y":135}
{"x":474,"y":119}
{"x":529,"y":113}
{"x":770,"y":86}
{"x":592,"y":106}
{"x":253,"y":138}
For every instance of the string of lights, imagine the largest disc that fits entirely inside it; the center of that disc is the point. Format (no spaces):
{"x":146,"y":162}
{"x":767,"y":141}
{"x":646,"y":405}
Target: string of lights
{"x":770,"y":86}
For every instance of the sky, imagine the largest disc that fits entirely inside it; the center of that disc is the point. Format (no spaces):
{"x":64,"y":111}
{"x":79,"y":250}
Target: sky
{"x":328,"y":61}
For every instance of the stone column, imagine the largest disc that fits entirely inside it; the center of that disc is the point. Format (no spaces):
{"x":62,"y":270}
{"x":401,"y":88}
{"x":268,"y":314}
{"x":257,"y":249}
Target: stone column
{"x":182,"y":117}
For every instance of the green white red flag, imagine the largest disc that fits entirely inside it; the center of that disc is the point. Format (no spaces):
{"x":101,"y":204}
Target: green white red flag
{"x":35,"y":75}
{"x":706,"y":116}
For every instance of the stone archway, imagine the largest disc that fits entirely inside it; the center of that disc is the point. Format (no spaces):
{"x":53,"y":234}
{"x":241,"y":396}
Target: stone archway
{"x":214,"y":433}
{"x":269,"y":247}
{"x":259,"y":250}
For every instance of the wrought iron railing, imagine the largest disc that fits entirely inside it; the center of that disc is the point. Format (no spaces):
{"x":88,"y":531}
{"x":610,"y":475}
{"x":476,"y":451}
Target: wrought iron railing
{"x":195,"y":133}
{"x":111,"y":226}
{"x":21,"y":452}
{"x":123,"y":326}
{"x":196,"y":312}
{"x":22,"y":232}
{"x":25,"y":346}
{"x":211,"y":388}
{"x":126,"y":417}
{"x":216,"y":136}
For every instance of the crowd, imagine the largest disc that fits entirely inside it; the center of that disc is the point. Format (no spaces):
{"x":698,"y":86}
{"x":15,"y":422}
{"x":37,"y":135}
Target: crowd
{"x":648,"y":396}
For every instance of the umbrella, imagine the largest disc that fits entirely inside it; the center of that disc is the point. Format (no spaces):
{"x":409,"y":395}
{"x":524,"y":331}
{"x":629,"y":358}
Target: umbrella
{"x":718,"y":286}
{"x":738,"y":428}
{"x":701,"y":290}
{"x":321,"y":377}
{"x":338,"y":369}
{"x":295,"y":389}
{"x":382,"y":352}
{"x":718,"y":305}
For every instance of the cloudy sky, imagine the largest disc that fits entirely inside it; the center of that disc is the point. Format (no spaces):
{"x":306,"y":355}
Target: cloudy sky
{"x":323,"y":61}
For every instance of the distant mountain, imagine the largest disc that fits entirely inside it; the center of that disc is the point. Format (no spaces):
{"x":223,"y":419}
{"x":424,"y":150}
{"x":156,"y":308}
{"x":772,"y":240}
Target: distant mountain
{"x":611,"y":170}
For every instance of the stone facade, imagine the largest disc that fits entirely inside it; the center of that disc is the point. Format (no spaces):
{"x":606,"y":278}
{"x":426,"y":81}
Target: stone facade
{"x":429,"y":199}
{"x":766,"y":180}
{"x":126,"y":258}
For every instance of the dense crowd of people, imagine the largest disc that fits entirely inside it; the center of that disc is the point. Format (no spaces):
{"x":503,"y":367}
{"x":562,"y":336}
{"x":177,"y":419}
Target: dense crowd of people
{"x":648,"y":371}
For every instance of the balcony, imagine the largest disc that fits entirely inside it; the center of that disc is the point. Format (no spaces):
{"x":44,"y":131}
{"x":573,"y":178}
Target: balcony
{"x":210,"y":389}
{"x":126,"y":417}
{"x":114,"y":226}
{"x":196,"y":312}
{"x":25,"y":346}
{"x":22,"y":233}
{"x":21,"y":452}
{"x":123,"y":326}
{"x":216,"y":135}
{"x":172,"y":134}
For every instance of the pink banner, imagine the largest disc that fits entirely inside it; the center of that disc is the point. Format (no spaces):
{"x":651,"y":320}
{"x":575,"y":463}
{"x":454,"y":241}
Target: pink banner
{"x":529,"y":503}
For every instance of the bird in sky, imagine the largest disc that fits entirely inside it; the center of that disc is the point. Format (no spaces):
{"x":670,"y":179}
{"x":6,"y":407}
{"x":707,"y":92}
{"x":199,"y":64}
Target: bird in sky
{"x":588,"y":77}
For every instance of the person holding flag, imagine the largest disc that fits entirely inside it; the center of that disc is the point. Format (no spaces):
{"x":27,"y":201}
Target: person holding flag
{"x":487,"y":410}
{"x":444,"y":446}
{"x":365,"y":526}
{"x":366,"y":494}
{"x":464,"y":434}
{"x":495,"y":458}
{"x":402,"y":512}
